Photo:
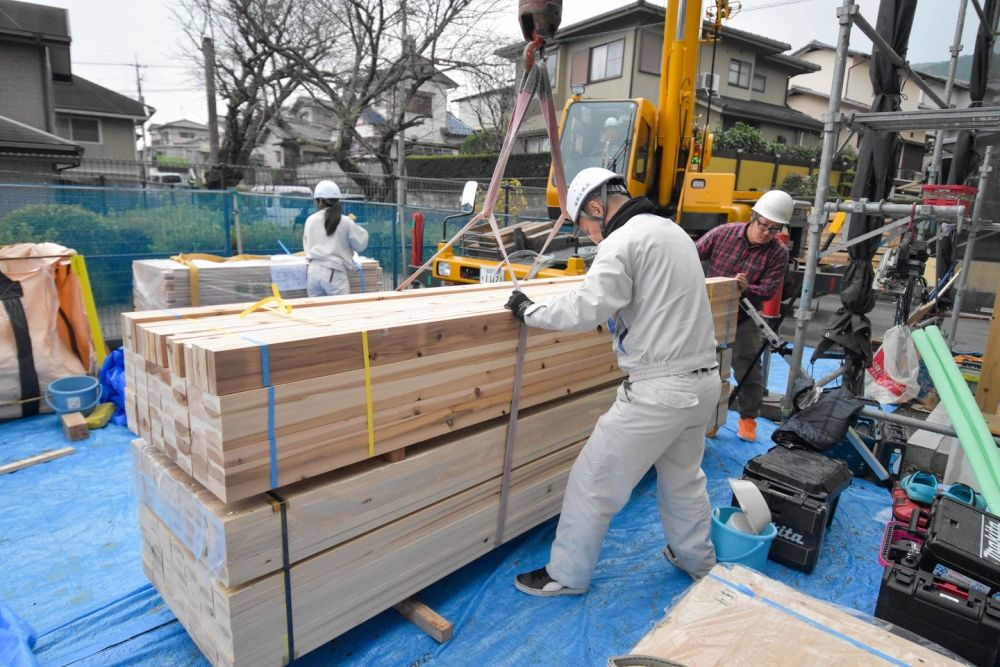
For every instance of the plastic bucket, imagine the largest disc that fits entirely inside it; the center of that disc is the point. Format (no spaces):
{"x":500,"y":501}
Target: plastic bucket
{"x":733,"y":546}
{"x":76,"y":393}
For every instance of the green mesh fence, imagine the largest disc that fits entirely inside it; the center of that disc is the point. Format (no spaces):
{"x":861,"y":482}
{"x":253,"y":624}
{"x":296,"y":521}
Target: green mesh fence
{"x":112,"y":227}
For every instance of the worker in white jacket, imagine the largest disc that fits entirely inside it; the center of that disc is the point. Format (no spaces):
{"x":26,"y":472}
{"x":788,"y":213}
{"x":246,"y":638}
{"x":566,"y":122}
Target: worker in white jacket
{"x":646,"y":282}
{"x":330,"y":240}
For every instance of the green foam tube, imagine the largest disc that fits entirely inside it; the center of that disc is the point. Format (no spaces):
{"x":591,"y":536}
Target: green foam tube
{"x":972,"y":434}
{"x":973,"y":415}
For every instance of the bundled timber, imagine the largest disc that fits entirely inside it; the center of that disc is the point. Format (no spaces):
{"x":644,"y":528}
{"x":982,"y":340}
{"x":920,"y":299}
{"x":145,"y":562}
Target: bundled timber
{"x":304,"y":406}
{"x":242,"y":541}
{"x":166,"y":283}
{"x":244,"y":404}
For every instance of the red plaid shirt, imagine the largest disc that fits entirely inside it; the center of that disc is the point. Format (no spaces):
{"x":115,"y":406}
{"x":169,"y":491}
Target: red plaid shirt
{"x":729,"y":252}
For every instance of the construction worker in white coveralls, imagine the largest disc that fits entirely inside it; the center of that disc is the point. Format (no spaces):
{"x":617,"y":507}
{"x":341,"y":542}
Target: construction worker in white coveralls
{"x":646,"y":282}
{"x":330,"y":240}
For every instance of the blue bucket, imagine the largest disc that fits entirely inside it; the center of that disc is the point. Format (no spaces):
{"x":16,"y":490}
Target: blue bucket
{"x":76,"y":393}
{"x":734,"y":546}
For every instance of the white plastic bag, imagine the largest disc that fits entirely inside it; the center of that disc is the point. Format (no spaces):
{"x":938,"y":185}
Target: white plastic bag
{"x":892,"y":378}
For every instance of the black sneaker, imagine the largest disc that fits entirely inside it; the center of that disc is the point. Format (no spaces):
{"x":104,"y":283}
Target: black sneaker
{"x":538,"y":582}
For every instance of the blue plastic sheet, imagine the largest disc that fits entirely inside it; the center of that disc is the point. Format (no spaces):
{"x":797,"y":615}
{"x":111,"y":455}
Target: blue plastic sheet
{"x":71,"y":534}
{"x":112,"y":378}
{"x":17,"y":639}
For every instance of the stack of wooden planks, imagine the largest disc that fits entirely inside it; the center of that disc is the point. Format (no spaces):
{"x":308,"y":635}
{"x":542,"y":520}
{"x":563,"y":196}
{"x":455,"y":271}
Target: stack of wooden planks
{"x":261,"y":469}
{"x":166,"y":283}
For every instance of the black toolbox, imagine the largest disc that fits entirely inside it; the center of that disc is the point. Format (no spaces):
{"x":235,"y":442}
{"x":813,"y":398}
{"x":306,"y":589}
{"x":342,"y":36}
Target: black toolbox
{"x":962,"y":543}
{"x":966,"y":622}
{"x":802,"y":489}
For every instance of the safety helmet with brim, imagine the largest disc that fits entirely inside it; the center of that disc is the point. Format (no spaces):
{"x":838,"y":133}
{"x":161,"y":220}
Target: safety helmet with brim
{"x":326,"y":190}
{"x":587,"y":183}
{"x":775,"y":205}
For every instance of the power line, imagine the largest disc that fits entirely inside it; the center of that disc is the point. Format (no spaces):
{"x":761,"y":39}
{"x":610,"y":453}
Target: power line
{"x":780,"y":3}
{"x":131,"y":65}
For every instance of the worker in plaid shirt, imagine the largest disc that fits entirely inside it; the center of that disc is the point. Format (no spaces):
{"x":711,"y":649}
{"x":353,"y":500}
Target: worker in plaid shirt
{"x":750,"y":253}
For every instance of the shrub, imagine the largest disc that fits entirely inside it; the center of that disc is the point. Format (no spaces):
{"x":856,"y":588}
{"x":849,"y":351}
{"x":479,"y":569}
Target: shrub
{"x":72,"y":226}
{"x":742,"y":137}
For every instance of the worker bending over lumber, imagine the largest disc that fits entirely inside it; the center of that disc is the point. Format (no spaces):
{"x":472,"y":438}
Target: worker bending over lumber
{"x":751,"y":253}
{"x":646,"y":282}
{"x":330,"y":240}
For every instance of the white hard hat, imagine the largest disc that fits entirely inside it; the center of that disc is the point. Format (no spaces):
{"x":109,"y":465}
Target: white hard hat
{"x":776,"y":206}
{"x":612,"y":122}
{"x":584,"y":184}
{"x":326,"y":190}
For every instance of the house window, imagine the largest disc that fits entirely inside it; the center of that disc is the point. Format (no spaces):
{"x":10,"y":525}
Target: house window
{"x":552,"y":67}
{"x":76,"y":128}
{"x":186,"y":135}
{"x":739,"y":74}
{"x":420,"y":103}
{"x":759,"y":83}
{"x":651,"y":52}
{"x":606,"y":60}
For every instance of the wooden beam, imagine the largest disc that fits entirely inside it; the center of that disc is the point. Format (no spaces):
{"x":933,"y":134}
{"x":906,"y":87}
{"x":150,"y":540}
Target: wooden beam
{"x":988,"y":388}
{"x":34,"y":460}
{"x":436,"y":626}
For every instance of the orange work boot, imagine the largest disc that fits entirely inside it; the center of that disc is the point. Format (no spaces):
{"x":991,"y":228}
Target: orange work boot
{"x":747,"y":429}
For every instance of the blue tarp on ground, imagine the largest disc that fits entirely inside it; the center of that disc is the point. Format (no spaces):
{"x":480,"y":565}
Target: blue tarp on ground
{"x":70,"y":543}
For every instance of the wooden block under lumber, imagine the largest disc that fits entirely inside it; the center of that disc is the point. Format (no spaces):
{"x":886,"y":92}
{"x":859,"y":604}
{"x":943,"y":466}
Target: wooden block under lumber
{"x":436,"y":626}
{"x":74,"y":426}
{"x":33,"y":460}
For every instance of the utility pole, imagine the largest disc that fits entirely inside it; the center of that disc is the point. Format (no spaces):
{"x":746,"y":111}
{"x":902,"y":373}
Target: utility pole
{"x":208,"y":51}
{"x":401,"y":151}
{"x":142,"y":101}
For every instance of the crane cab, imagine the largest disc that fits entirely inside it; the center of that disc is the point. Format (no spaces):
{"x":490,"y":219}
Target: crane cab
{"x":615,"y":134}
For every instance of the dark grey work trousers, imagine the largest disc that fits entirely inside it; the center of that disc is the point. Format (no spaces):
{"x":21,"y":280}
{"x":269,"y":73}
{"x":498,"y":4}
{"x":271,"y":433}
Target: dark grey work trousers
{"x":746,"y":356}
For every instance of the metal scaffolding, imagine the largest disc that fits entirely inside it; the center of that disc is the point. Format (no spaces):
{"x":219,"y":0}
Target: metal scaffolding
{"x":849,"y":16}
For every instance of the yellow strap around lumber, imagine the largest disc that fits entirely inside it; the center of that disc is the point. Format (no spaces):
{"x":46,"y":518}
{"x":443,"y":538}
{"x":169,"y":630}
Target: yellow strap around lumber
{"x":188,"y":260}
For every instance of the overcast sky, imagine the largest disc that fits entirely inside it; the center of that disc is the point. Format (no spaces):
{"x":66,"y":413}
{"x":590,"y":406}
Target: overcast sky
{"x":108,"y":35}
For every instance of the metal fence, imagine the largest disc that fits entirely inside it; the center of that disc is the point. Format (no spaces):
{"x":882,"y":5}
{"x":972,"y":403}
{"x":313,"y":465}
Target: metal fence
{"x":112,"y":227}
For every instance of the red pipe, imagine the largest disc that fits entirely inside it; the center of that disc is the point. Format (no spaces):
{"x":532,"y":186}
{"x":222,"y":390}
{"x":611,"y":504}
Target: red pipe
{"x":772,"y":307}
{"x":417,"y":241}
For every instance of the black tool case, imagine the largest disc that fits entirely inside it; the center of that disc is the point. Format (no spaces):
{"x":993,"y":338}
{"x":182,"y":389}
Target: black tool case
{"x":802,"y":489}
{"x":964,"y":621}
{"x":963,"y":539}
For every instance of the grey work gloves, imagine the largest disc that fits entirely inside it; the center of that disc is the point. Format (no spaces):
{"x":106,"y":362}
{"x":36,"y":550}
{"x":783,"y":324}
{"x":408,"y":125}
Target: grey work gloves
{"x":518,"y":303}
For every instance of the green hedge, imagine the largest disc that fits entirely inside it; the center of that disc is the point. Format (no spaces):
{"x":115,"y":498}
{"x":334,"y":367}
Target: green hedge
{"x":521,"y":165}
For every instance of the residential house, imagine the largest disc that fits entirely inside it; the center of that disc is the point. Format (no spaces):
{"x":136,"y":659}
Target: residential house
{"x":486,"y":110}
{"x":107,"y":125}
{"x":34,"y":54}
{"x":810,"y":94}
{"x":618,"y":55}
{"x":54,"y":121}
{"x":179,"y":143}
{"x":439,"y":131}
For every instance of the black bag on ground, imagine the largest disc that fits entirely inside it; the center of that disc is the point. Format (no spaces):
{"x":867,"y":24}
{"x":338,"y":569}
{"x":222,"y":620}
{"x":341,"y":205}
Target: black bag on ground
{"x":822,"y":424}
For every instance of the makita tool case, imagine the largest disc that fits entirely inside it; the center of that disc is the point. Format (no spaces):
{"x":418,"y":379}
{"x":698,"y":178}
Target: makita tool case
{"x":802,"y":489}
{"x":961,"y":620}
{"x":962,"y":543}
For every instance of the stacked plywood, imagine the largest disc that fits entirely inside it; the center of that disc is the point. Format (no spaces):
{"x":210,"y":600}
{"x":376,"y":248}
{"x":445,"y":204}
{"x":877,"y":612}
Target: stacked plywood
{"x":737,"y":616}
{"x":347,"y":533}
{"x":165,"y":283}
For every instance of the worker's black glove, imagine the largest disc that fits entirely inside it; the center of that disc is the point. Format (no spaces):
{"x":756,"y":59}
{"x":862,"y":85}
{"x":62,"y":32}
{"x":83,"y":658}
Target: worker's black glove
{"x":518,"y":303}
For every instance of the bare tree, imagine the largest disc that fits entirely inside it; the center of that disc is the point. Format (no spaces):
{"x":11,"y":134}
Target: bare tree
{"x":490,"y":100}
{"x":253,"y":78}
{"x":365,"y":65}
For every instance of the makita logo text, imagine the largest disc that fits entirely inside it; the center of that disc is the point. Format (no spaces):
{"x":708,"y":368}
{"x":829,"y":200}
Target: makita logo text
{"x":789,"y":535}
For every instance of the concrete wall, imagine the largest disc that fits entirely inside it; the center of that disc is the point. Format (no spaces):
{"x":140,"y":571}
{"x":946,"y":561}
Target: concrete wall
{"x":22,"y":92}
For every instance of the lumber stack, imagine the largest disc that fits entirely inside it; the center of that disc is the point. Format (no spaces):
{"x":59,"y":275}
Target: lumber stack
{"x":165,"y":283}
{"x":244,"y":404}
{"x":260,"y":578}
